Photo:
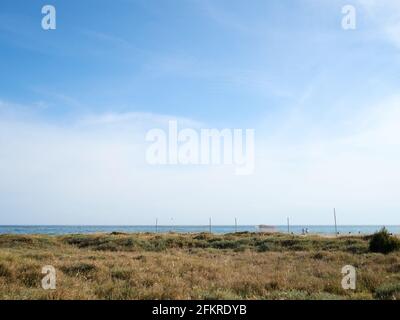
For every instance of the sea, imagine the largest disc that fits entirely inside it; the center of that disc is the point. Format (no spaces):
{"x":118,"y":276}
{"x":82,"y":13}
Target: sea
{"x":222,"y":229}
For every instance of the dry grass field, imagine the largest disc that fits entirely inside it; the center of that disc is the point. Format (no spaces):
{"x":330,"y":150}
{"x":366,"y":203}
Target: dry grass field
{"x":194,"y":266}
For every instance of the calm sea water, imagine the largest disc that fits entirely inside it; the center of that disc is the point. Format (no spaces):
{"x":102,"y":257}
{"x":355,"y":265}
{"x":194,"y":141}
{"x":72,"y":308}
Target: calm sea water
{"x":56,"y":230}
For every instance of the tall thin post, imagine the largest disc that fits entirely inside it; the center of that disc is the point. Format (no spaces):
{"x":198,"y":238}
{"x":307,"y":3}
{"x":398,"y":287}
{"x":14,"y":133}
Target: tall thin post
{"x":288,"y":225}
{"x":334,"y":215}
{"x":210,"y":224}
{"x":236,"y":225}
{"x":156,"y":225}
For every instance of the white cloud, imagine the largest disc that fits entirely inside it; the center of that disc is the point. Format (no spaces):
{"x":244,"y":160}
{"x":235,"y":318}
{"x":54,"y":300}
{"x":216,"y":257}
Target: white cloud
{"x":136,"y":118}
{"x":385,"y":15}
{"x":91,"y":172}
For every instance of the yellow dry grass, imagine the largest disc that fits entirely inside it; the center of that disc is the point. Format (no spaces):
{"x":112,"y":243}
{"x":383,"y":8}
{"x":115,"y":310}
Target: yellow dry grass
{"x":171,"y":266}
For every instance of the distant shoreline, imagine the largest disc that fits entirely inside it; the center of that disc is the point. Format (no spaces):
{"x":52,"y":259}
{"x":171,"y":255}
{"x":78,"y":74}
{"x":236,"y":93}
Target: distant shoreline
{"x":323,"y":230}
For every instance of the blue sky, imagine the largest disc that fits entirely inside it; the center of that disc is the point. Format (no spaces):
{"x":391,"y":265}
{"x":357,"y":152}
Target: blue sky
{"x":75,"y":103}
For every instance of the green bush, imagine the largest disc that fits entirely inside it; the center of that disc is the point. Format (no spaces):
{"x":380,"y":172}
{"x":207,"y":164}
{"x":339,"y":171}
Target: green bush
{"x":225,"y":244}
{"x":383,"y":242}
{"x":388,"y":292}
{"x":78,"y":269}
{"x":264,"y":247}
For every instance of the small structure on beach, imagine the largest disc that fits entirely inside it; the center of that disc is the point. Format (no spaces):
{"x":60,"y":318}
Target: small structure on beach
{"x":266,"y":228}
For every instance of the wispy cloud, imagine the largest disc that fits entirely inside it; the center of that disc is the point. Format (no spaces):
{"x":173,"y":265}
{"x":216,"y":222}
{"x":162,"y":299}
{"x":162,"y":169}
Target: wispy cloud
{"x":142,"y":119}
{"x":385,"y":15}
{"x":225,"y":18}
{"x":190,"y":67}
{"x":94,"y":170}
{"x":58,"y":97}
{"x":104,"y":41}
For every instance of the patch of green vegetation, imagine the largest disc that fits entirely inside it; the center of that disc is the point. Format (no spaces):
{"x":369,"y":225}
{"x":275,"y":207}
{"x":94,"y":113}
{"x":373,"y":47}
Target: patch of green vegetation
{"x":388,"y":292}
{"x":78,"y":269}
{"x":29,"y":275}
{"x":264,"y":247}
{"x":383,"y":242}
{"x":161,"y":242}
{"x":121,"y":274}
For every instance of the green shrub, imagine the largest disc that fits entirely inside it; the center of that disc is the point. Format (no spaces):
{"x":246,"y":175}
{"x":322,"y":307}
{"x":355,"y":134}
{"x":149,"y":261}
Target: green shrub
{"x":318,"y":256}
{"x":264,"y":247}
{"x":78,"y":269}
{"x":383,"y":242}
{"x":225,"y":244}
{"x":121,"y":274}
{"x":388,"y":292}
{"x":29,"y":275}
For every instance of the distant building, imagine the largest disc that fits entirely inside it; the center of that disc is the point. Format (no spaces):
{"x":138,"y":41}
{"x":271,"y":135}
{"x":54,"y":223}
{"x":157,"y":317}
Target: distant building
{"x":266,"y":229}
